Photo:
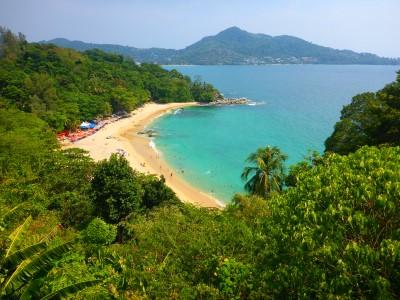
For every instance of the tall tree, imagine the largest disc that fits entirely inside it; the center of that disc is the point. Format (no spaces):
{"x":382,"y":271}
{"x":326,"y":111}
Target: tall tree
{"x":116,"y":189}
{"x":266,"y":172}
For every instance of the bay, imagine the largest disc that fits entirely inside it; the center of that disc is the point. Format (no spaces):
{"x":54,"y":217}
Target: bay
{"x":296,"y":109}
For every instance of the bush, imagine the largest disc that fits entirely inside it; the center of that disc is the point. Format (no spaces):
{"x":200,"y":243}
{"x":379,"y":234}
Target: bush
{"x":99,"y":232}
{"x":232,"y":278}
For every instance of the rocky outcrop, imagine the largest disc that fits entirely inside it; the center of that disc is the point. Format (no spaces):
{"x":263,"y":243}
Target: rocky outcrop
{"x":148,"y":132}
{"x":231,"y":101}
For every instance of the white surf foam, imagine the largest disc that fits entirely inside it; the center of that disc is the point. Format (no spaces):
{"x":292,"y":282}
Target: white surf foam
{"x":153,"y":146}
{"x":177,"y":111}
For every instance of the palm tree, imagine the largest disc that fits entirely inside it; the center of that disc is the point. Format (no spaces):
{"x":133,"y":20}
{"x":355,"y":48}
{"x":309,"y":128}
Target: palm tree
{"x":266,"y":173}
{"x":21,"y":270}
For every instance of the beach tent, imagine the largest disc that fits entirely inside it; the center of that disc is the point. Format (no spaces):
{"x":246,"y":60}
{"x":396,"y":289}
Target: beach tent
{"x":85,"y":125}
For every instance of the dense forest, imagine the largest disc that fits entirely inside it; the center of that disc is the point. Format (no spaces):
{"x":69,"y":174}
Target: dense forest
{"x":64,"y":87}
{"x":71,"y":227}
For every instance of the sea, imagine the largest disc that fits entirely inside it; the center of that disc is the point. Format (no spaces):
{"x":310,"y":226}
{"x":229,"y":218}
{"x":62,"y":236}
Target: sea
{"x":295,"y":108}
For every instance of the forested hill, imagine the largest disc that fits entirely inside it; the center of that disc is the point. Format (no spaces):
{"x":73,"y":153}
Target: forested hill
{"x":238,"y":47}
{"x":64,"y":87}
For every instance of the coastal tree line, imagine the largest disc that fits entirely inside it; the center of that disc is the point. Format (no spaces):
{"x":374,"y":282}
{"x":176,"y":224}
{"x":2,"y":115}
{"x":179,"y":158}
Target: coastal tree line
{"x":64,"y":87}
{"x":329,"y":227}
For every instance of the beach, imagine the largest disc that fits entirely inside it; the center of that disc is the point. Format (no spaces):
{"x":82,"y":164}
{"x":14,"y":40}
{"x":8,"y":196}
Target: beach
{"x":122,"y":137}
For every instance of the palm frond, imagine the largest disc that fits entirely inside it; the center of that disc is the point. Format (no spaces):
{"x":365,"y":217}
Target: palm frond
{"x":250,"y":185}
{"x":252,"y":158}
{"x":32,"y":290}
{"x":71,"y":289}
{"x":247,"y":171}
{"x":29,"y":268}
{"x":18,"y":256}
{"x":50,"y":235}
{"x":9,"y":286}
{"x":16,"y":235}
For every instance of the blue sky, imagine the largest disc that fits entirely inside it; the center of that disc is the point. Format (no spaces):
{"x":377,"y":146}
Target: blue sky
{"x":367,"y":26}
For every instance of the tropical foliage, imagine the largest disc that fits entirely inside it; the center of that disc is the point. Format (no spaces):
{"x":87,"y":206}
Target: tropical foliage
{"x":99,"y":232}
{"x":266,"y":172}
{"x":72,"y":227}
{"x":23,"y":269}
{"x":64,"y":87}
{"x":370,"y":119}
{"x":336,"y":234}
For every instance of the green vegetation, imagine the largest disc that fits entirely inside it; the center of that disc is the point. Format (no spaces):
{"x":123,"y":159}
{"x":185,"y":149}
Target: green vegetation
{"x":23,"y":269}
{"x":116,"y":189}
{"x":99,"y":232}
{"x":71,"y":227}
{"x":64,"y":87}
{"x":267,"y":172}
{"x":370,"y":119}
{"x":234,"y":46}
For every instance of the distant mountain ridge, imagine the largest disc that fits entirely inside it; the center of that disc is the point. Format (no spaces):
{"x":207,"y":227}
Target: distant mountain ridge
{"x":235,"y":46}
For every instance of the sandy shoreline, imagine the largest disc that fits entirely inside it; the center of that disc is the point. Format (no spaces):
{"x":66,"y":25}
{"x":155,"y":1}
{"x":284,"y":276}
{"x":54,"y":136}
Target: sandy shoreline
{"x":141,"y":156}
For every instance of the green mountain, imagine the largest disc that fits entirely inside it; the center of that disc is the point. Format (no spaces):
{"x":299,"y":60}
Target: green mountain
{"x":238,"y":47}
{"x":156,"y":55}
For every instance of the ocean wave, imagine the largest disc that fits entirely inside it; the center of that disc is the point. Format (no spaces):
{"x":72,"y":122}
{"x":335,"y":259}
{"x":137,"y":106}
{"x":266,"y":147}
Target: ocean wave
{"x":177,"y":111}
{"x":153,"y":146}
{"x":256,"y":103}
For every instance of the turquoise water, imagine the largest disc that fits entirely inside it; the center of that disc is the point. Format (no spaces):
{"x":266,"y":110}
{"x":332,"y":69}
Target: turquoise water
{"x":297,"y":107}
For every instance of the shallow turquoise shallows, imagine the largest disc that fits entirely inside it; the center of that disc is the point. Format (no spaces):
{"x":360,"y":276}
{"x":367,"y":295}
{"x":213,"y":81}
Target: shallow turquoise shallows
{"x":297,"y":107}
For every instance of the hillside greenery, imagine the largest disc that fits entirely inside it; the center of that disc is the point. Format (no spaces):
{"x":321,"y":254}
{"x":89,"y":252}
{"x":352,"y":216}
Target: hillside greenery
{"x":334,"y":234}
{"x":100,"y":230}
{"x":370,"y":119}
{"x":64,"y":87}
{"x":234,"y":46}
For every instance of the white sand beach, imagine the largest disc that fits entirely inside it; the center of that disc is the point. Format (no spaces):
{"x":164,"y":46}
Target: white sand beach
{"x":122,"y":136}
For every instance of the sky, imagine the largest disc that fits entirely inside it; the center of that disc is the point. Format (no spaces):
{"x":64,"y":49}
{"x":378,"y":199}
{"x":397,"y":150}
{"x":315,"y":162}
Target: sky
{"x":360,"y":25}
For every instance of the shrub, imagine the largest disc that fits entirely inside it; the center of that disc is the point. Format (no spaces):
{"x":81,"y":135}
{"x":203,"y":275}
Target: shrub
{"x":99,"y":232}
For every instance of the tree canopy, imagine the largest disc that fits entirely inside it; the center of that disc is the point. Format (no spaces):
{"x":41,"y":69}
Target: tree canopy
{"x":266,"y":172}
{"x":370,"y":119}
{"x":64,"y":87}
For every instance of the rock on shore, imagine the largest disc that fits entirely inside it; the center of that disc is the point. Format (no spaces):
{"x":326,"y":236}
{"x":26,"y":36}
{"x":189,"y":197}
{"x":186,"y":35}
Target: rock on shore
{"x":231,"y":101}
